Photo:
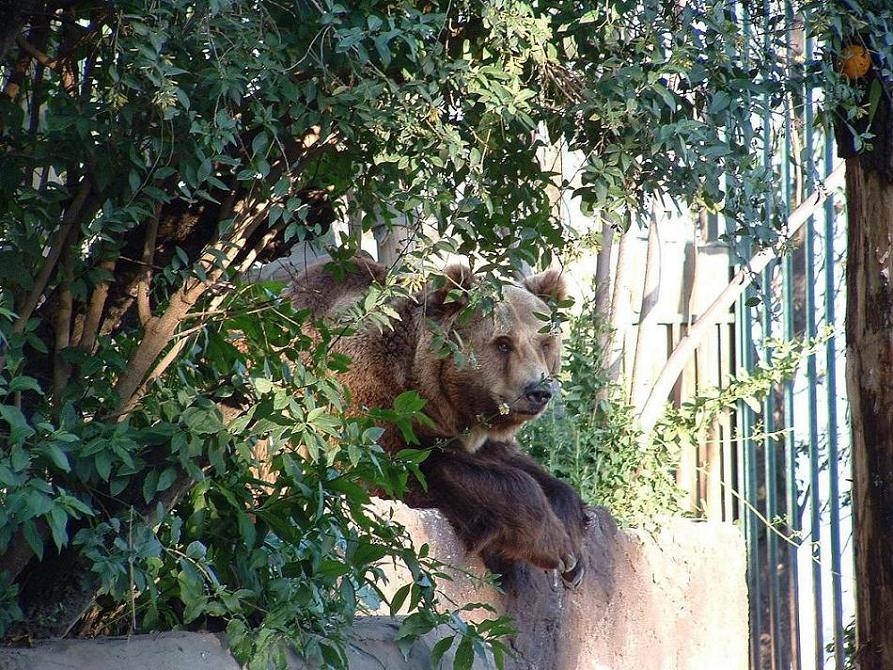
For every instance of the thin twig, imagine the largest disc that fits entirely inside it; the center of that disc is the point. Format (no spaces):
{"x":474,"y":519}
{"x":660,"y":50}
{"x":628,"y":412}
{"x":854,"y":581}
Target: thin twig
{"x":657,"y":399}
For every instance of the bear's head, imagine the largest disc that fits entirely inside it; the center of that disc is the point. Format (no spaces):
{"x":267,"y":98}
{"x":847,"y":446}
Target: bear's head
{"x":511,"y":357}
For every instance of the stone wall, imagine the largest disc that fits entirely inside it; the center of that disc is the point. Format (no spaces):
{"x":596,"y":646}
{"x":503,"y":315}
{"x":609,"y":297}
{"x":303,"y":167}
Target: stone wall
{"x":675,"y":600}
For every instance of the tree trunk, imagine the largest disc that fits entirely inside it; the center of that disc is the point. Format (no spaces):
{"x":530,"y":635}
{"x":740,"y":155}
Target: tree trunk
{"x":869,"y":337}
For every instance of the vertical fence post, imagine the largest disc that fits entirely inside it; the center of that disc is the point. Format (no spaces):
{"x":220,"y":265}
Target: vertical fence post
{"x":790,"y":442}
{"x":831,"y":400}
{"x":777,"y":614}
{"x":808,"y":161}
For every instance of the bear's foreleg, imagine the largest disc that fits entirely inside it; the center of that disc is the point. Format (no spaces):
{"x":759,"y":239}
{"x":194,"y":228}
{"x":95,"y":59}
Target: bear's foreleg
{"x":498,"y":510}
{"x":564,"y":499}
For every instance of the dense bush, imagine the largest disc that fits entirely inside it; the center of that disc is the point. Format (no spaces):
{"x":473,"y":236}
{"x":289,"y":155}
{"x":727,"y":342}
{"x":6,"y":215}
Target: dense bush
{"x":152,"y":152}
{"x":591,"y":437}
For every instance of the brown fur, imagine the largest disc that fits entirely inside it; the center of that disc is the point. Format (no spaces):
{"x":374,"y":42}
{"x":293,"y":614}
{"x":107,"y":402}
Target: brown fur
{"x":501,"y":502}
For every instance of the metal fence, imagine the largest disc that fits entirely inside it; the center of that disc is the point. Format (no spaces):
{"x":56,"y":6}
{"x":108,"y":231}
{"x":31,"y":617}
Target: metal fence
{"x":781,"y":470}
{"x":792,"y":458}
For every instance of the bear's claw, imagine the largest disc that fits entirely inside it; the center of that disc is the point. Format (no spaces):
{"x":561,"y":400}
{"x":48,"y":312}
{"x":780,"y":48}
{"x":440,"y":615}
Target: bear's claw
{"x":573,"y":576}
{"x":567,"y":563}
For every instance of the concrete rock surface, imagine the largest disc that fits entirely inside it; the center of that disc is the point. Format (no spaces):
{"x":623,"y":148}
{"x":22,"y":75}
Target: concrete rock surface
{"x":372,"y":648}
{"x":675,"y":600}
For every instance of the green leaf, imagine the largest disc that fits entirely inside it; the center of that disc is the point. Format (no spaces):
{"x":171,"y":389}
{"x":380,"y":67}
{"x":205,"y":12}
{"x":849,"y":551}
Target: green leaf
{"x":57,"y":456}
{"x":202,"y":420}
{"x":262,"y":385}
{"x":166,"y":478}
{"x":7,"y":478}
{"x":103,"y":462}
{"x":19,"y":458}
{"x":413,"y":455}
{"x":399,"y":598}
{"x":29,"y":530}
{"x":720,"y":102}
{"x":197,"y":550}
{"x":247,"y":531}
{"x":58,"y":520}
{"x":118,"y":484}
{"x":409,"y":402}
{"x":367,"y":552}
{"x":24,"y":383}
{"x":150,"y":485}
{"x":19,"y":430}
{"x":439,"y":649}
{"x":668,"y":98}
{"x":464,"y":655}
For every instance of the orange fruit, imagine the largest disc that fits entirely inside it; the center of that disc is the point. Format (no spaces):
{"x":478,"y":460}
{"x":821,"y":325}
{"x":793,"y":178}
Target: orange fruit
{"x":855,"y":61}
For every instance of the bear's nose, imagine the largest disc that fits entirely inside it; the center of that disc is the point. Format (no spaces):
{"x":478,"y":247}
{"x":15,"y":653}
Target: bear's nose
{"x":538,"y":394}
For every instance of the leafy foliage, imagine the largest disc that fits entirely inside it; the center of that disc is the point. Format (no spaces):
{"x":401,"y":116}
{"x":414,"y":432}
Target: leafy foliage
{"x":593,"y":441}
{"x":152,"y":152}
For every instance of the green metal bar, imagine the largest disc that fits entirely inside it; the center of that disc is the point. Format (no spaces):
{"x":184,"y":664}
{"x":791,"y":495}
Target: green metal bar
{"x":772,"y":581}
{"x":790,"y":451}
{"x":769,"y":444}
{"x":754,"y":525}
{"x":831,"y":399}
{"x":811,"y":388}
{"x":746,"y":422}
{"x":740,"y":464}
{"x":790,"y":446}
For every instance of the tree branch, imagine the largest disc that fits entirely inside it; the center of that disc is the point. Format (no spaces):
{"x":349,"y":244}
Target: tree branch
{"x":647,"y":314}
{"x":160,"y":330}
{"x":603,"y":285}
{"x":657,"y":399}
{"x":618,"y":314}
{"x":93,"y":316}
{"x":61,"y":368}
{"x":38,"y":55}
{"x":56,"y":247}
{"x":19,"y":552}
{"x":144,"y":309}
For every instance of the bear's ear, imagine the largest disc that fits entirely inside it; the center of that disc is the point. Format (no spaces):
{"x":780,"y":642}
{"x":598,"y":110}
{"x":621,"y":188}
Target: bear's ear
{"x":449,"y":293}
{"x":548,"y":285}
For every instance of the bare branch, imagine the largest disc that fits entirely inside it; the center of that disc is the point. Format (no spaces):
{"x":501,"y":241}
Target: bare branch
{"x":93,"y":317}
{"x":38,"y":55}
{"x":159,"y":330}
{"x":19,"y":551}
{"x":657,"y":399}
{"x":618,"y":314}
{"x":71,"y":216}
{"x":603,"y":282}
{"x":62,"y":369}
{"x":143,"y":307}
{"x":650,"y":292}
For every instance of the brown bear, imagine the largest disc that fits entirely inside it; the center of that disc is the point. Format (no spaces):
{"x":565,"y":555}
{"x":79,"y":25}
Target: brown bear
{"x":502,"y":504}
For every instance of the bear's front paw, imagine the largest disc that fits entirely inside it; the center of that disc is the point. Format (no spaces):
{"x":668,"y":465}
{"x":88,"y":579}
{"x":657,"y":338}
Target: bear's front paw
{"x":572,"y":572}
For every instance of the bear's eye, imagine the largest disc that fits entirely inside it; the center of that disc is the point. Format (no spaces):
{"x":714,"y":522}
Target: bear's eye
{"x":503,"y":346}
